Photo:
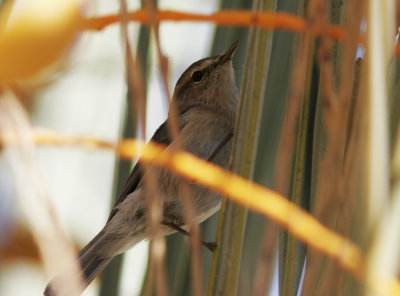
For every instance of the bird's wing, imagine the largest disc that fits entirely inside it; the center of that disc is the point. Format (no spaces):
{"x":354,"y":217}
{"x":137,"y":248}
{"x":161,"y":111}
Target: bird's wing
{"x":161,"y":136}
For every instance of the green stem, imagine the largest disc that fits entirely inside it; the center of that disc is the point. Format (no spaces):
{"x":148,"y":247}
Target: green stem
{"x":226,"y":261}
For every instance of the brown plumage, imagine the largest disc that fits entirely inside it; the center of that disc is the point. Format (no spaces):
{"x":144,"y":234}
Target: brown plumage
{"x":206,"y":100}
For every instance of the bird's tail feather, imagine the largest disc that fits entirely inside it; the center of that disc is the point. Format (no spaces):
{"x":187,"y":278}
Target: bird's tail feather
{"x":90,"y":263}
{"x":91,"y":267}
{"x":61,"y":285}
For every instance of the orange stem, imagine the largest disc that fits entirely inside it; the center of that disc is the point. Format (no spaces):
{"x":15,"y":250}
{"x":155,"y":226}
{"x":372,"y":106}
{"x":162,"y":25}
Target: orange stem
{"x":241,"y":18}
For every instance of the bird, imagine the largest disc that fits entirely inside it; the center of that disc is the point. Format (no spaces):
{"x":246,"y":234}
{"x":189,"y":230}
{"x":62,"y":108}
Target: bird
{"x":205,"y":99}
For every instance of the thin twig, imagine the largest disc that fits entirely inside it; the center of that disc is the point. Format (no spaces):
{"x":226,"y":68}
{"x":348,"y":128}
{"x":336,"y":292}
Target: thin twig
{"x":242,"y":18}
{"x":184,"y":190}
{"x":209,"y":245}
{"x":56,"y":251}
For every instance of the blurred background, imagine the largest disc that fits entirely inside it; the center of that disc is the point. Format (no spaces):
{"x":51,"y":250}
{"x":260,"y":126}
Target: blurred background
{"x":318,"y":123}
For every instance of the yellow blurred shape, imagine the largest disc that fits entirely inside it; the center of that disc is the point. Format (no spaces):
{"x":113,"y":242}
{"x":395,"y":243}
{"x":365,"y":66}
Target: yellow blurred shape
{"x":33,"y":36}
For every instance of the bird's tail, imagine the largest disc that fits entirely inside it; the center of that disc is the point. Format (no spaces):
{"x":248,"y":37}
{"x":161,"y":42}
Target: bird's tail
{"x":91,"y":262}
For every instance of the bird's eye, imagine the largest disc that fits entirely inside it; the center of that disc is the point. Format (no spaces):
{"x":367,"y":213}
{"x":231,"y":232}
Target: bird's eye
{"x":197,"y":76}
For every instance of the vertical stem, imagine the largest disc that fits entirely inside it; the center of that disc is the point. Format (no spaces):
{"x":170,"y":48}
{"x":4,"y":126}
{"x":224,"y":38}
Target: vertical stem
{"x":377,"y":59}
{"x":226,"y":261}
{"x":111,"y":275}
{"x":380,"y":35}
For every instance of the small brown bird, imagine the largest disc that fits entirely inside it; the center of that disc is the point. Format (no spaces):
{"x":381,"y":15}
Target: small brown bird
{"x":206,"y":99}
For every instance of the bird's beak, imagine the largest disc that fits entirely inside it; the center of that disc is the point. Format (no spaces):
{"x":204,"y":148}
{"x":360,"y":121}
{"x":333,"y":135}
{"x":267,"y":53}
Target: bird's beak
{"x":228,"y":55}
